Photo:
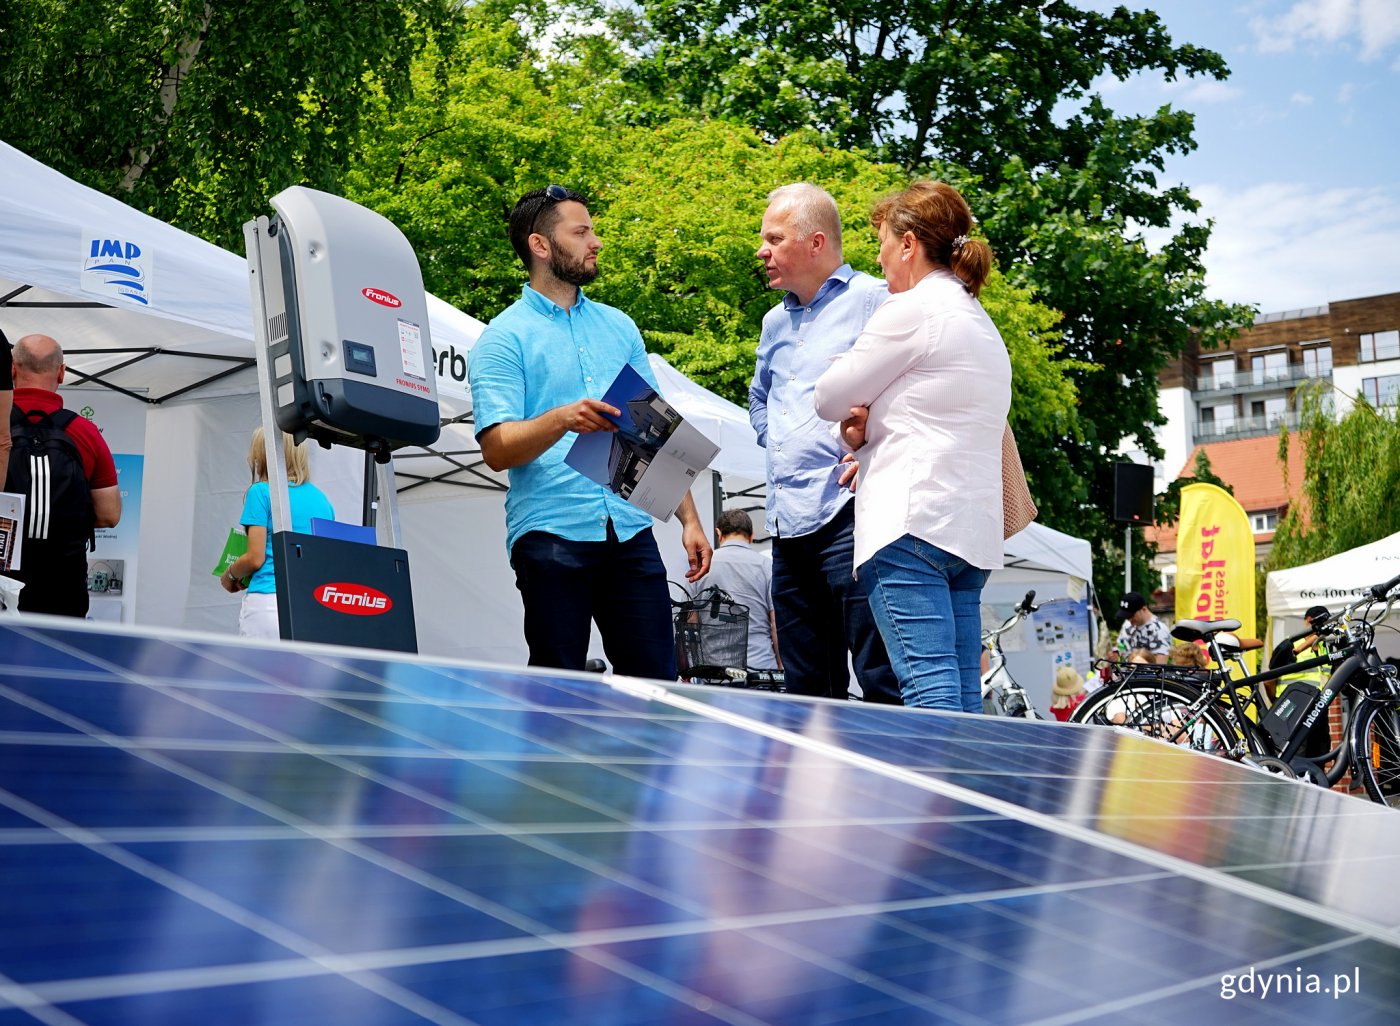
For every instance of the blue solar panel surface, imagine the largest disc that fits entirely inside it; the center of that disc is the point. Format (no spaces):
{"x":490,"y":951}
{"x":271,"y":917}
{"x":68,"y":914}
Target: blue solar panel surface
{"x":200,"y":830}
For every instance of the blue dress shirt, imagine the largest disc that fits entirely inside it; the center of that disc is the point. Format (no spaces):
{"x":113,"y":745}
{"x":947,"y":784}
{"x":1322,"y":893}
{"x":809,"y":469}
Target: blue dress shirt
{"x":532,"y":357}
{"x":797,"y":345}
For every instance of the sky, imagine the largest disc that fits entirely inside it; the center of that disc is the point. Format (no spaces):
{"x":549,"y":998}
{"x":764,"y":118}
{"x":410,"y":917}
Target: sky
{"x":1298,"y":155}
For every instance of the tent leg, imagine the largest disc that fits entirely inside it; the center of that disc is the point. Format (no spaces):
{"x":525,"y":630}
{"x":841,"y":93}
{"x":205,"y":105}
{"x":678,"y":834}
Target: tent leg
{"x":1128,"y":559}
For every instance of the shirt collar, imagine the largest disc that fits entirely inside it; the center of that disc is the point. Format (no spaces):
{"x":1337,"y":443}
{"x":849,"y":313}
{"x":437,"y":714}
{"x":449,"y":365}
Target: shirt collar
{"x":839,"y":279}
{"x":734,"y":541}
{"x":546,"y":306}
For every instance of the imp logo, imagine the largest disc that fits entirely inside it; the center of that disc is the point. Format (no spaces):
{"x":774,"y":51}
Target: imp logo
{"x":382,"y":298}
{"x":117,"y":269}
{"x":355,"y":599}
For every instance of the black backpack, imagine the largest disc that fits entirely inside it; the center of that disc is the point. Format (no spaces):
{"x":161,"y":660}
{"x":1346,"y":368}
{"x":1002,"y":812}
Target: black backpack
{"x":47,"y":469}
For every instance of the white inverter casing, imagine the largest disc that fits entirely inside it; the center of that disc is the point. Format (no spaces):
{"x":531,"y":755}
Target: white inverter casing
{"x":353,"y":364}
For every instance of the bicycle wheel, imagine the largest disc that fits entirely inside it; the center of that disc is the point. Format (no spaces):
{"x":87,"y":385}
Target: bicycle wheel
{"x":1161,"y":709}
{"x":1376,"y":752}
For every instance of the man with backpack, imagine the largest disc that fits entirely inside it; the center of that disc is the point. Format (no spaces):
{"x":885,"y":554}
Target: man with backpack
{"x":63,"y":467}
{"x":7,"y":395}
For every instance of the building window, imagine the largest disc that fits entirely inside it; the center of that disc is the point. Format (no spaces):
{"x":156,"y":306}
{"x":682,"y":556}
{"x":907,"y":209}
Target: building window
{"x":1382,"y":391}
{"x":1268,"y":413}
{"x":1317,"y":362}
{"x":1221,"y":374}
{"x":1218,"y":420}
{"x":1380,"y":345}
{"x":1269,"y":367}
{"x":1261,"y":522}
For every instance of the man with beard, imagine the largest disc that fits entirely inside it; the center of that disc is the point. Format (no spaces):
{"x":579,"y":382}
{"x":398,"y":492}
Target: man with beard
{"x":580,"y":553}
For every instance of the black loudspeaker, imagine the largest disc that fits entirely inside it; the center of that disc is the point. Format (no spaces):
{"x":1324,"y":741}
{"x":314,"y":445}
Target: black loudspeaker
{"x":1132,"y":493}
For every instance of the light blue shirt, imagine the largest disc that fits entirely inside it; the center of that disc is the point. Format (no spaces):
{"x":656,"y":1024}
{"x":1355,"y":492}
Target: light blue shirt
{"x":797,"y":345}
{"x":532,"y":357}
{"x":306,"y":500}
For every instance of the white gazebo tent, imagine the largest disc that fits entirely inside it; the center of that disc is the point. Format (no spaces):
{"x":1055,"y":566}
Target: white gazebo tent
{"x":177,"y":354}
{"x":1333,"y":582}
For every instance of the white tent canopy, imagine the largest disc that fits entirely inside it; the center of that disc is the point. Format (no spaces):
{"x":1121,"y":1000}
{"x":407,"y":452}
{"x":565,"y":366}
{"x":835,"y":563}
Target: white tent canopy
{"x":178,"y":349}
{"x":136,"y":303}
{"x":1332,"y":582}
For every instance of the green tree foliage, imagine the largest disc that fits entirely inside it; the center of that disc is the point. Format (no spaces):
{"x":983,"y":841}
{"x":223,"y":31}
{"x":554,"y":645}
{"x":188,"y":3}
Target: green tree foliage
{"x":1351,"y":476}
{"x":195,"y":111}
{"x":996,"y":97}
{"x":677,"y":206}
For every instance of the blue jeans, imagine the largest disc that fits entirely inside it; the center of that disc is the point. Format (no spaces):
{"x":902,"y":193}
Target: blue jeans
{"x":821,"y":612}
{"x":928,"y":605}
{"x":620,"y":585}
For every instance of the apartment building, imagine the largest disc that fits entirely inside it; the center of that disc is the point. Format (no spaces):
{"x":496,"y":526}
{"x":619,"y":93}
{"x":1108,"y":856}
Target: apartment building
{"x":1216,"y":398}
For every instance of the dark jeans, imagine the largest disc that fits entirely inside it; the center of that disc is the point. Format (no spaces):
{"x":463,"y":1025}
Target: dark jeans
{"x":822,"y":612}
{"x":54,"y":583}
{"x":620,"y":585}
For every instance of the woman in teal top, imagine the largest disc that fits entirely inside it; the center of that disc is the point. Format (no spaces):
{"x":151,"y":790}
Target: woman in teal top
{"x":254,"y":570}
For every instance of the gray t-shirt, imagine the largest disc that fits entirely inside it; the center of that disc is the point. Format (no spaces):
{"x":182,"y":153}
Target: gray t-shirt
{"x":747,"y":575}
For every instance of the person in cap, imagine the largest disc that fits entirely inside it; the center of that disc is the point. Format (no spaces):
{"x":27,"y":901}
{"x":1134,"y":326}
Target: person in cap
{"x":1287,"y":651}
{"x":1142,"y":629}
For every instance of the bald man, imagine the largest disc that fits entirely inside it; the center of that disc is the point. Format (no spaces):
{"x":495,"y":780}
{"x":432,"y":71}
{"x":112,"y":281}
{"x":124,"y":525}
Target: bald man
{"x":820,"y":608}
{"x":55,"y":554}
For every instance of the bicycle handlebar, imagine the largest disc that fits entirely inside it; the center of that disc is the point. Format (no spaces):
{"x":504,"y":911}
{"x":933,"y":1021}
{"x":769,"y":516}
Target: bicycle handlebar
{"x":1380,"y":591}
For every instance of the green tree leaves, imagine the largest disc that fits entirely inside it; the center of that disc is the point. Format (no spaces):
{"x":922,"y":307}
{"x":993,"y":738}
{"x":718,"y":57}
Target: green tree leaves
{"x":1351,"y":470}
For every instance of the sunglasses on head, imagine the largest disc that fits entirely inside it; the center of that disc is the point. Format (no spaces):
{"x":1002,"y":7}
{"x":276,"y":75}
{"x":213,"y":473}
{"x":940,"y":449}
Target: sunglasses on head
{"x":552,"y":194}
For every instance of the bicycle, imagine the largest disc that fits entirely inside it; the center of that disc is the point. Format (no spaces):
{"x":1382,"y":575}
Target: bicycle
{"x":712,"y":638}
{"x":1001,"y":694}
{"x":1217,"y":712}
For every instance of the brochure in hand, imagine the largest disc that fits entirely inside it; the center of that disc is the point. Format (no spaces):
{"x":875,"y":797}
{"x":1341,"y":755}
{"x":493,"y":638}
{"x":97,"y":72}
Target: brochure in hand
{"x":236,"y":545}
{"x":653,"y":457}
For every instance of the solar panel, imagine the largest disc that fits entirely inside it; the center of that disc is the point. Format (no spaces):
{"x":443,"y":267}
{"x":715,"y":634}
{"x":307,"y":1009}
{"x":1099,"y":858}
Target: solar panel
{"x":203,"y":830}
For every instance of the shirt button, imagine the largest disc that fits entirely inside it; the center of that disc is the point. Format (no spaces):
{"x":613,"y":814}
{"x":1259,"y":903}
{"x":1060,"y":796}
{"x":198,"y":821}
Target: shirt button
{"x":587,"y":379}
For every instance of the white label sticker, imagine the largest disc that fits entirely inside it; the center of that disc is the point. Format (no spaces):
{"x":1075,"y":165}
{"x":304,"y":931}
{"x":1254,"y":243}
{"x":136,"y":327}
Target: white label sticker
{"x":411,"y":346}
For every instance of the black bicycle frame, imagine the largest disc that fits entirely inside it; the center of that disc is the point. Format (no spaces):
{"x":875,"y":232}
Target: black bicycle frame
{"x":1319,"y":707}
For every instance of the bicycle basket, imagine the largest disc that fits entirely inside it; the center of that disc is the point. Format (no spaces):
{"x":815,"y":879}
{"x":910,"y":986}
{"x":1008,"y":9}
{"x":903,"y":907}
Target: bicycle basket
{"x":712,"y":630}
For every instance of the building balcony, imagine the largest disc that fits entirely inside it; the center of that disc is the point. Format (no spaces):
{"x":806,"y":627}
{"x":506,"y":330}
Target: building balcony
{"x":1247,"y":382}
{"x":1205,"y":431}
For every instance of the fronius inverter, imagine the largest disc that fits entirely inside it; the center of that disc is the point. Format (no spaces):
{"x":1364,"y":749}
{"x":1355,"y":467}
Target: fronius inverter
{"x":351,"y":359}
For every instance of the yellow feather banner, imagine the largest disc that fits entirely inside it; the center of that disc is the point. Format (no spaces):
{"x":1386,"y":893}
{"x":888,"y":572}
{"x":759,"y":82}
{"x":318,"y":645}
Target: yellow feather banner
{"x":1215,"y":560}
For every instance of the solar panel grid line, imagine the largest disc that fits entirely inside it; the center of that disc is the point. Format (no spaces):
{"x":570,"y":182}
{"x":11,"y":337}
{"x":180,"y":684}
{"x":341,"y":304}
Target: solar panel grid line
{"x":15,"y":995}
{"x":90,"y":988}
{"x":1278,"y":899}
{"x":812,"y":956}
{"x":412,"y":1002}
{"x":1198,"y":939}
{"x":149,"y":835}
{"x":291,"y":819}
{"x":788,"y":930}
{"x":229,"y":910}
{"x":618,"y":966}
